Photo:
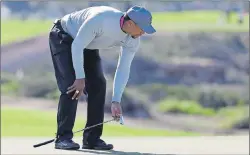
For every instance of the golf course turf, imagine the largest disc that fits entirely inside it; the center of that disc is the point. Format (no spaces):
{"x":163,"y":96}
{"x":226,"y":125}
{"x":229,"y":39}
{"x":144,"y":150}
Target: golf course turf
{"x":163,"y":21}
{"x":21,"y":122}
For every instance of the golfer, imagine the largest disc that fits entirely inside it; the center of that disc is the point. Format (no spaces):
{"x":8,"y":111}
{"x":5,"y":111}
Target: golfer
{"x":75,"y":41}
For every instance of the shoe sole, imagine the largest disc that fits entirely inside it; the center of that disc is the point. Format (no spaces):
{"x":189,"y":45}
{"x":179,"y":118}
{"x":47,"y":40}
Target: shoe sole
{"x":70,"y":148}
{"x":97,"y":148}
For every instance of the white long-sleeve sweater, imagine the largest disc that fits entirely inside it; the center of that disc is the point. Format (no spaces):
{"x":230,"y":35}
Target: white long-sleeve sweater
{"x":99,"y":28}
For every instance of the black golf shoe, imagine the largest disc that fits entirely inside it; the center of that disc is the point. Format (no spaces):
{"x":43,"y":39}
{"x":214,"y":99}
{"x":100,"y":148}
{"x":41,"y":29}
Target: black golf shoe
{"x":66,"y":145}
{"x":99,"y":145}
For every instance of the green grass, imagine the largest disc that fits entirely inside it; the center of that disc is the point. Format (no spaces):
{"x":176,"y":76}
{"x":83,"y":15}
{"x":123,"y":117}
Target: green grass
{"x":197,"y":21}
{"x":17,"y":122}
{"x":185,"y":107}
{"x":13,"y":30}
{"x":207,"y":17}
{"x":233,"y":115}
{"x":10,"y":87}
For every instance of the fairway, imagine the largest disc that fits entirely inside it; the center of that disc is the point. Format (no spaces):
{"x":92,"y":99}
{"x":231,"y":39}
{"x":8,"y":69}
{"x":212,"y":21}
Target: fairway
{"x":205,"y":17}
{"x":42,"y":123}
{"x":14,"y":30}
{"x":208,"y":21}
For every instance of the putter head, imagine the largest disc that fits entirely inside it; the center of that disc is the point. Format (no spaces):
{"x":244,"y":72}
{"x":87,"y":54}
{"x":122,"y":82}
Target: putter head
{"x":121,"y":120}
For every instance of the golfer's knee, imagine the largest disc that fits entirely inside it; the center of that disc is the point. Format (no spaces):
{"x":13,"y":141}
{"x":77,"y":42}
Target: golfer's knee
{"x":63,"y":87}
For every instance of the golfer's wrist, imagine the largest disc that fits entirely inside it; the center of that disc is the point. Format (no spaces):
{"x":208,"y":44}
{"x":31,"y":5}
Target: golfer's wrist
{"x":80,"y":76}
{"x":116,"y":98}
{"x":115,"y":102}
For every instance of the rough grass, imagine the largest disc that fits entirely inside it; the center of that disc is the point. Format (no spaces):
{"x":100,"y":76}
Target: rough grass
{"x":13,"y":30}
{"x":17,"y":122}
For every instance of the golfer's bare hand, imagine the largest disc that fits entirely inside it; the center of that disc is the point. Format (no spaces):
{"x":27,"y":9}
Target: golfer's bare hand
{"x":116,"y":110}
{"x":77,"y":87}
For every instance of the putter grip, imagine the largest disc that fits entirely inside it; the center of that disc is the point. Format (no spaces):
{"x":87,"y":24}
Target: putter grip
{"x":44,"y":143}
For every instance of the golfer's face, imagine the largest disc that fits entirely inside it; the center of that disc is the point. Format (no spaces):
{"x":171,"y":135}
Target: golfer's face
{"x":136,"y":31}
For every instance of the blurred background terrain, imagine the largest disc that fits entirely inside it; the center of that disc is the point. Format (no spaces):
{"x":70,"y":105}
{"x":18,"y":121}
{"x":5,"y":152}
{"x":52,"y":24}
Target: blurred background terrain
{"x":191,"y":76}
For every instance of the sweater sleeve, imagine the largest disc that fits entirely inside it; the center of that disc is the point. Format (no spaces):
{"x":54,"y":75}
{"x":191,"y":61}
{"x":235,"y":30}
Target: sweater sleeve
{"x":87,"y":32}
{"x":122,"y":73}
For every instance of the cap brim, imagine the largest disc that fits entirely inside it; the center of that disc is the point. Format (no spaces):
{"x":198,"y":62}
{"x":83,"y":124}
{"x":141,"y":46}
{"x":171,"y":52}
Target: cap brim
{"x":148,"y":29}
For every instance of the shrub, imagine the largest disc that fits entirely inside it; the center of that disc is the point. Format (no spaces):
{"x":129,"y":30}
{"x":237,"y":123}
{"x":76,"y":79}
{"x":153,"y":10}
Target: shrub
{"x":184,"y":106}
{"x":9,"y":84}
{"x":11,"y":87}
{"x":37,"y":87}
{"x":53,"y":94}
{"x":213,"y":97}
{"x":234,"y":116}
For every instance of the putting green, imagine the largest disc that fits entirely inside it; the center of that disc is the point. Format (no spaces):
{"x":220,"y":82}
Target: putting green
{"x":19,"y":122}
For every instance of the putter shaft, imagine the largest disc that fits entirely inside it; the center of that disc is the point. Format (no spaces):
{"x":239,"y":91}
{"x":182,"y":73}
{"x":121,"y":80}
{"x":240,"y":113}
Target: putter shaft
{"x":52,"y":140}
{"x":93,"y":126}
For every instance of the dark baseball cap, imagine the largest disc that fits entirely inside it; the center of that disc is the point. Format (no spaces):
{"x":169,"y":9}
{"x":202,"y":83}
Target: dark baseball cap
{"x":142,"y":17}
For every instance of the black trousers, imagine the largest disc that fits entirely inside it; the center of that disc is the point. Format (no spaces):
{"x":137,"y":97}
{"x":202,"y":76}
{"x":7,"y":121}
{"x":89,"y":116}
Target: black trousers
{"x":60,"y":46}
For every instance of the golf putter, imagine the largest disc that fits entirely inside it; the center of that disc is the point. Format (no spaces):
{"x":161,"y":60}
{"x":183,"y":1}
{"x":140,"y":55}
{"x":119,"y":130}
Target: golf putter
{"x":52,"y":140}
